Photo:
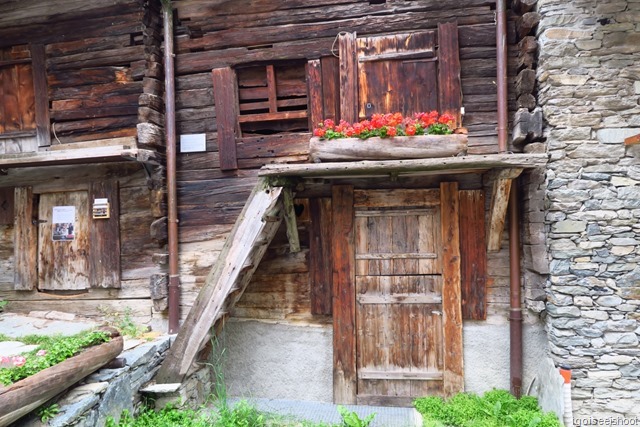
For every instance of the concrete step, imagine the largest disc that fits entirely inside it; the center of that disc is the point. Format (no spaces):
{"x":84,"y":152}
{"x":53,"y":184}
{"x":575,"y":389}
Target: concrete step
{"x":328,"y":413}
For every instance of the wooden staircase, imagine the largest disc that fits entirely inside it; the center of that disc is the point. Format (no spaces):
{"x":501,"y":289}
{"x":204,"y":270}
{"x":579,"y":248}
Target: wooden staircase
{"x":244,"y":248}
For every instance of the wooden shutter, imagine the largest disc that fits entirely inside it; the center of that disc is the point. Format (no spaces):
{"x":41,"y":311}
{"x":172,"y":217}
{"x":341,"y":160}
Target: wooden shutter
{"x":104,"y":260}
{"x":473,"y":253}
{"x":323,"y":83}
{"x":17,"y":113}
{"x":26,"y":241}
{"x":320,"y":272}
{"x":400,"y":73}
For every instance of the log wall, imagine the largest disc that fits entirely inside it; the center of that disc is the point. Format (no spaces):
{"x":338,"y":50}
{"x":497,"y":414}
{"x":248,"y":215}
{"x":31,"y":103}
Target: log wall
{"x":247,"y":35}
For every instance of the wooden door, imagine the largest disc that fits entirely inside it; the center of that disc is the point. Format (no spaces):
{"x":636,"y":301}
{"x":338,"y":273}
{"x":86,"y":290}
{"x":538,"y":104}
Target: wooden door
{"x":63,"y":241}
{"x":401,"y":352}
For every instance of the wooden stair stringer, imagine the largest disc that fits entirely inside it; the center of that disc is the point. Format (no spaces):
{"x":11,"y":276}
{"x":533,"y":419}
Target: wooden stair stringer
{"x":243,"y":249}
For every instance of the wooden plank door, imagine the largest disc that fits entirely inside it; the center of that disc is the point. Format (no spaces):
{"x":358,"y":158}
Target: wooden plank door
{"x":401,"y":323}
{"x":63,"y":249}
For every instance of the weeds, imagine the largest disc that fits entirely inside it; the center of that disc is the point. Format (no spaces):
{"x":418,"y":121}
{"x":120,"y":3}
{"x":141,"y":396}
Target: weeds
{"x":3,"y":304}
{"x":496,"y":408}
{"x":45,"y":413}
{"x":351,"y":419}
{"x":123,"y":322}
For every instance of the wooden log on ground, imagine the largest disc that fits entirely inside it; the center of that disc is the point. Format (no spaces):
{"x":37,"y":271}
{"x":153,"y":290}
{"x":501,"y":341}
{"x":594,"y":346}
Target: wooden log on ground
{"x":26,"y":395}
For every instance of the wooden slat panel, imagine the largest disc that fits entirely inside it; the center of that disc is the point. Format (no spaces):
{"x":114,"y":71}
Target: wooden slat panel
{"x":26,"y":241}
{"x":6,"y":205}
{"x":344,"y":338}
{"x":225,"y":94}
{"x":398,"y":255}
{"x":414,"y":45}
{"x":451,"y":311}
{"x":12,"y":119}
{"x":331,"y":87}
{"x":43,"y":124}
{"x":314,"y":87}
{"x":395,"y":212}
{"x":320,"y":267}
{"x":348,"y":77}
{"x":449,"y":85}
{"x":370,"y":374}
{"x":473,"y":252}
{"x":104,"y":262}
{"x":399,"y":299}
{"x":397,"y":197}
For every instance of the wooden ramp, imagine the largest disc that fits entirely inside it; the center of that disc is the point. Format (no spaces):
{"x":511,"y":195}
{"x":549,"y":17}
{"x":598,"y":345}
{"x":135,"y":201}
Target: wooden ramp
{"x":227,"y":280}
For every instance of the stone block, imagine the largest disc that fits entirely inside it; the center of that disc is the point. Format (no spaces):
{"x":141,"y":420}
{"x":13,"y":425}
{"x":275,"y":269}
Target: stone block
{"x":615,"y":135}
{"x":609,"y":301}
{"x":569,"y":227}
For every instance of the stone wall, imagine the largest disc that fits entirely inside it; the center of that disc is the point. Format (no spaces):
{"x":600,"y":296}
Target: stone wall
{"x":589,"y":88}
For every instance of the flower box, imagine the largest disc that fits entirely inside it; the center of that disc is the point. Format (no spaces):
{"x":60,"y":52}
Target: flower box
{"x":396,"y":148}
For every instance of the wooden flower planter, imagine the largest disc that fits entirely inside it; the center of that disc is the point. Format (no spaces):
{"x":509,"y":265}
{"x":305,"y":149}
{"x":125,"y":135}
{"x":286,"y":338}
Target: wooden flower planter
{"x":24,"y":396}
{"x":400,"y":147}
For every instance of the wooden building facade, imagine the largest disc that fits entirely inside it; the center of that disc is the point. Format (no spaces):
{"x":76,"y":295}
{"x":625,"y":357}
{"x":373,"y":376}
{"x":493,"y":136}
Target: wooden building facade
{"x":392,"y":260}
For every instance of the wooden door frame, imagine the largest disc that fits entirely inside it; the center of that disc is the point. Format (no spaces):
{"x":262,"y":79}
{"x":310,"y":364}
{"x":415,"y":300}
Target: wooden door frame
{"x":344,"y":293}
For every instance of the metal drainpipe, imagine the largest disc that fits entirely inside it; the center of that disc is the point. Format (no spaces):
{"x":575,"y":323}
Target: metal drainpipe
{"x":501,"y":78}
{"x":515,"y":307}
{"x":170,"y":132}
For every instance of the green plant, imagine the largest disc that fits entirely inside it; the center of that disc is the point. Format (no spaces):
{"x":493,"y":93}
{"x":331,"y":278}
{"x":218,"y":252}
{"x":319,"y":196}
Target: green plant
{"x":351,"y":419}
{"x":3,"y":304}
{"x":53,"y":350}
{"x":496,"y":408}
{"x":123,"y":322}
{"x":45,"y":413}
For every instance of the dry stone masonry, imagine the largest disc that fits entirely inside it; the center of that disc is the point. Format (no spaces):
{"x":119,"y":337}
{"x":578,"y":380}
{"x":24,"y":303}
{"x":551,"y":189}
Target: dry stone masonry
{"x":589,"y":89}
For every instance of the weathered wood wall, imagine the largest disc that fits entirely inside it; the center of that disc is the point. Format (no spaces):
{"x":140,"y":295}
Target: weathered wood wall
{"x":99,"y":58}
{"x":247,"y":35}
{"x":137,"y":247}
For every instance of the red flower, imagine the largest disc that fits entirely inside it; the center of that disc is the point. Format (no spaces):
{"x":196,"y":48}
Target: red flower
{"x":391,"y":131}
{"x":319,"y":132}
{"x":410,"y":130}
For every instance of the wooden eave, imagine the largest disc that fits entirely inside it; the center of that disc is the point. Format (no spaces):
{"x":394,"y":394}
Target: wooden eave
{"x":378,"y":168}
{"x":114,"y":153}
{"x":499,"y":169}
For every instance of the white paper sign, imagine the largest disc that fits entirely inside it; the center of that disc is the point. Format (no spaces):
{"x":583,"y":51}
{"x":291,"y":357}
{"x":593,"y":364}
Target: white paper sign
{"x":192,"y":143}
{"x":63,"y":222}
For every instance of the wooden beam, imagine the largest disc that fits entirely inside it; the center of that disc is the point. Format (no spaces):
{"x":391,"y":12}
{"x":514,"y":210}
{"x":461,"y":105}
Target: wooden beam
{"x":498,"y":208}
{"x":344,"y":295}
{"x":290,"y":220}
{"x":7,"y":210}
{"x":451,"y":294}
{"x":242,"y":251}
{"x":348,"y":77}
{"x":272,"y":90}
{"x":25,"y":250}
{"x":81,"y":155}
{"x":473,"y":163}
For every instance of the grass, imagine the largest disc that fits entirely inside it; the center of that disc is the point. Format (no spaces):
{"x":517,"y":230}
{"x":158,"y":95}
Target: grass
{"x":496,"y":408}
{"x":51,"y":350}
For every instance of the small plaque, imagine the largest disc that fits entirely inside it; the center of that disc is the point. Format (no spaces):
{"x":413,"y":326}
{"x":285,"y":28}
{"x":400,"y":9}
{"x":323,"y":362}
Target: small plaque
{"x":101,"y":209}
{"x":193,"y":143}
